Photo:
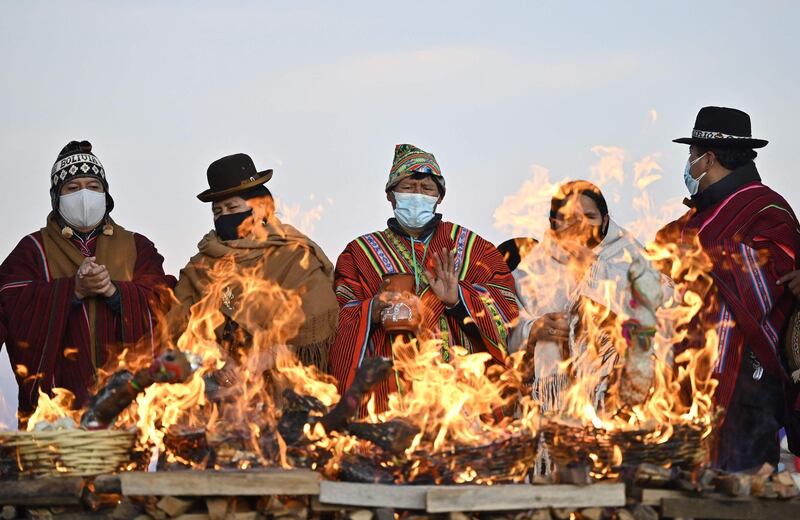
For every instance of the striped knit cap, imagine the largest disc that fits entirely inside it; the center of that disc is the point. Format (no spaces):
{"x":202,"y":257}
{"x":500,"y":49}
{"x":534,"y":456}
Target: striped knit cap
{"x":74,"y":161}
{"x":410,"y":160}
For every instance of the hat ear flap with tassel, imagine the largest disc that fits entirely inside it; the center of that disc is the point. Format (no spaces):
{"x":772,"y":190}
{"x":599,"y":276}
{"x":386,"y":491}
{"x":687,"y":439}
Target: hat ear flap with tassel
{"x":108,"y":229}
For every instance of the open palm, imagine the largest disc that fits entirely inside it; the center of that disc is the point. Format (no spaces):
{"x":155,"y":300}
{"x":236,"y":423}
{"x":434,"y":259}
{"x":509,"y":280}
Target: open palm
{"x":444,"y":278}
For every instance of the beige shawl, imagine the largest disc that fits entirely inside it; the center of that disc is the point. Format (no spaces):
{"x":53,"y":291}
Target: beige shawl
{"x":282,"y":255}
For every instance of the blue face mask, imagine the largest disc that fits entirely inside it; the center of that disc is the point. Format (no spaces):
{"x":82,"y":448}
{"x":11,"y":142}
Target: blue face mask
{"x":692,"y":184}
{"x":414,"y":210}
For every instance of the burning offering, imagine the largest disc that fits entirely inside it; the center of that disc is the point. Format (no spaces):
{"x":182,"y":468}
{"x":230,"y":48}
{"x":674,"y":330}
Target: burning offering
{"x":210,"y":402}
{"x":123,"y":387}
{"x":615,"y":377}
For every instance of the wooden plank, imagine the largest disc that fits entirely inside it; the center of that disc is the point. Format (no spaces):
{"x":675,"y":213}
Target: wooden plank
{"x":54,"y":491}
{"x":174,"y":506}
{"x":61,"y":514}
{"x":247,"y":515}
{"x":106,"y":484}
{"x":523,"y":496}
{"x":653,"y":497}
{"x":319,"y":507}
{"x":729,"y":509}
{"x":221,"y":483}
{"x":373,"y":495}
{"x":217,"y":507}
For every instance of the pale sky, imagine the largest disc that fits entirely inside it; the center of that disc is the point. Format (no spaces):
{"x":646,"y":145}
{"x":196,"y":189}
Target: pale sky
{"x":321,"y":92}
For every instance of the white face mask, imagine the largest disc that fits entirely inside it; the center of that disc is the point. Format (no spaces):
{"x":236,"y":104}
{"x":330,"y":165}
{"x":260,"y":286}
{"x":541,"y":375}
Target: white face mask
{"x":692,"y":184}
{"x":83,"y":209}
{"x":414,"y":210}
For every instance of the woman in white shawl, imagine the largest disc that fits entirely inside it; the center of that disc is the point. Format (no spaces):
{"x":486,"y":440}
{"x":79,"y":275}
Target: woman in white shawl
{"x":584,"y":255}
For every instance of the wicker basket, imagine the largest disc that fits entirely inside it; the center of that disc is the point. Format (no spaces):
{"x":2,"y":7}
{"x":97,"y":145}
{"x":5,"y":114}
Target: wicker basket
{"x":686,"y":448}
{"x":71,"y":452}
{"x":504,"y":460}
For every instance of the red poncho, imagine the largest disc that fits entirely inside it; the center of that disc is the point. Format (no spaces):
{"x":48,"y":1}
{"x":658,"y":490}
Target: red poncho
{"x":486,"y":291}
{"x":56,"y":340}
{"x":752,"y":238}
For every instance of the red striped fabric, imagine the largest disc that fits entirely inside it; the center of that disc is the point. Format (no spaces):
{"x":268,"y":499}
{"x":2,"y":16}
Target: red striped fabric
{"x":486,"y":286}
{"x":47,"y":332}
{"x":752,"y":239}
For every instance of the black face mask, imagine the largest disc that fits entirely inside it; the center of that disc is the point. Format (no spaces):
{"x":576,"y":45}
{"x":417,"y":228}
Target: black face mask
{"x":227,"y":225}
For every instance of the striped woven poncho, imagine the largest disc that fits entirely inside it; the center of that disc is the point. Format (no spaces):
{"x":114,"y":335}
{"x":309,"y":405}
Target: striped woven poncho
{"x":752,"y":238}
{"x":56,"y":340}
{"x":486,"y":291}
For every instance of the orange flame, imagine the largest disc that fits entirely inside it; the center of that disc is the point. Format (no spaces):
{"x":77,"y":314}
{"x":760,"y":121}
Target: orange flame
{"x":683,"y":385}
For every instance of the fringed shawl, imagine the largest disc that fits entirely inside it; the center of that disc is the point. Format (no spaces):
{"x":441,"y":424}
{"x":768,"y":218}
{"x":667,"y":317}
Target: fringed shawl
{"x":284,"y":256}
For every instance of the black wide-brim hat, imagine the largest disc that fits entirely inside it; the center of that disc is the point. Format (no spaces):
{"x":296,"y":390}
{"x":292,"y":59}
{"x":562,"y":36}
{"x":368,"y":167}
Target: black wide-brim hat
{"x":721,"y":127}
{"x":231,"y":176}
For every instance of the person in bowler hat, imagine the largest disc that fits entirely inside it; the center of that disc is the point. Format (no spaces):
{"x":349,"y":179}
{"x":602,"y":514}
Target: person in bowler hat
{"x":247,"y":233}
{"x":750,"y":238}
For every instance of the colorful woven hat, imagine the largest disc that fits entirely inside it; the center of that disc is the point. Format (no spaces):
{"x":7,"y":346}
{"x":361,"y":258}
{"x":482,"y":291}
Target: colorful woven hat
{"x":410,"y":160}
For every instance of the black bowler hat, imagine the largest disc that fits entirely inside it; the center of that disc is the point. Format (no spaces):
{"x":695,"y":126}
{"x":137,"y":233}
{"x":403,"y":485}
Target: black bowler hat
{"x":231,"y":176}
{"x":721,"y":127}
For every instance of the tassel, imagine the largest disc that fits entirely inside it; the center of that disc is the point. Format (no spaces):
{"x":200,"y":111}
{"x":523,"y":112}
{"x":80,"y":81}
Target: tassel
{"x":315,"y":354}
{"x":67,"y":232}
{"x":108,"y":229}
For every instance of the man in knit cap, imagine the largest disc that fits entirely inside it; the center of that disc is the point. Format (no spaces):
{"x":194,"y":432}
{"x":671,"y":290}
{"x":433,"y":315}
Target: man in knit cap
{"x":79,"y":290}
{"x":462,"y":284}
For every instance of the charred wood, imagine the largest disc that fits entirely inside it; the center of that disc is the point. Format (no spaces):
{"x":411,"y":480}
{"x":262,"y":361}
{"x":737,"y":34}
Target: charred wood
{"x":357,"y":468}
{"x":371,"y":372}
{"x":394,"y":436}
{"x":122,"y":388}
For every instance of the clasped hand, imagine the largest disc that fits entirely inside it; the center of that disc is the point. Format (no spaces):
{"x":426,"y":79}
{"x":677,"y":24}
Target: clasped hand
{"x":93,"y":279}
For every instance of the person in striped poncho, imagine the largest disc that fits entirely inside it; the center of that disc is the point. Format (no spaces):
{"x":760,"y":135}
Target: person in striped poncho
{"x":81,"y":289}
{"x":752,"y":238}
{"x":461,"y":280}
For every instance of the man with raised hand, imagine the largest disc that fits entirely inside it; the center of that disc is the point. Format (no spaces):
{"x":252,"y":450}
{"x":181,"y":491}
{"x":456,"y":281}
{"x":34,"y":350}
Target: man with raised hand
{"x":462,"y":284}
